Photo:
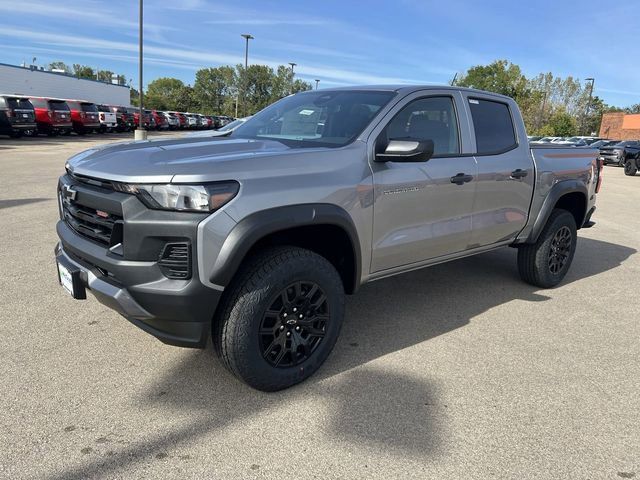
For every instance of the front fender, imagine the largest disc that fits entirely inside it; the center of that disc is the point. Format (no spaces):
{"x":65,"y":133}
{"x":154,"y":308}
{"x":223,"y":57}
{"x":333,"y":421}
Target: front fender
{"x":256,"y":226}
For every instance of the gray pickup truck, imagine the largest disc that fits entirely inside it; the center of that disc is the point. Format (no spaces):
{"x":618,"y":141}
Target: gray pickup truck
{"x":255,"y":238}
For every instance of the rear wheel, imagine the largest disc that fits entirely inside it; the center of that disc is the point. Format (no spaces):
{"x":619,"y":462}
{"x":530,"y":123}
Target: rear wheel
{"x":281,"y":318}
{"x":546,"y":262}
{"x":630,"y":167}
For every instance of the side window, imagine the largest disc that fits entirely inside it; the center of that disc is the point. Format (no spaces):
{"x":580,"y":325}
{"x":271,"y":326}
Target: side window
{"x":432,"y":118}
{"x":493,"y":126}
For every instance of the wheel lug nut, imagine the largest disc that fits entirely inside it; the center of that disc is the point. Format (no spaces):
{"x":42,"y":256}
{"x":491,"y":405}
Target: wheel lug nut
{"x":297,"y":329}
{"x":288,"y":334}
{"x":300,"y":316}
{"x":281,"y":327}
{"x":295,"y":309}
{"x":284,"y":314}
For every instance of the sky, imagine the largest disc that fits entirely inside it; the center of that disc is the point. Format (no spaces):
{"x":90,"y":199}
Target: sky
{"x":347,"y":42}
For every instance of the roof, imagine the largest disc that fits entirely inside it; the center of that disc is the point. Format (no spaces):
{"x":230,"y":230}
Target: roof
{"x":409,"y":89}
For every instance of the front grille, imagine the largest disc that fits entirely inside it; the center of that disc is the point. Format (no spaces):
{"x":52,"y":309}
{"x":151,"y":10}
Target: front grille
{"x":175,"y":261}
{"x":101,"y":227}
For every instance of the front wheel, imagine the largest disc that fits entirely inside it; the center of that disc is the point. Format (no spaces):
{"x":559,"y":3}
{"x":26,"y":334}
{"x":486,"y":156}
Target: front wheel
{"x":281,"y":318}
{"x":546,"y":262}
{"x":630,"y":167}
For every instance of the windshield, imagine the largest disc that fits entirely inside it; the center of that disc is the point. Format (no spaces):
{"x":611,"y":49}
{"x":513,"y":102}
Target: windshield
{"x":316,"y":119}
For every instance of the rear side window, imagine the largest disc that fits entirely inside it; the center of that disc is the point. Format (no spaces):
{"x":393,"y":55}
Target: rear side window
{"x":19,"y":103}
{"x":103,"y":108}
{"x":493,"y":126}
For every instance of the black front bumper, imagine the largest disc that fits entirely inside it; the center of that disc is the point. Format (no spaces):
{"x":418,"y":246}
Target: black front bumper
{"x":132,"y":282}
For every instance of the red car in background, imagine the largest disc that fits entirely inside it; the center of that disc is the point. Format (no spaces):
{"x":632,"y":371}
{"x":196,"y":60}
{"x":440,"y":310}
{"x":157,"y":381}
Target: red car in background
{"x":84,"y":116}
{"x":136,"y":117}
{"x":158,"y":120}
{"x":53,"y":116}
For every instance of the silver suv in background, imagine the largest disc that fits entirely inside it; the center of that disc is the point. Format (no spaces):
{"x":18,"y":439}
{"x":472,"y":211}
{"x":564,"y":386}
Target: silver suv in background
{"x":254,"y":239}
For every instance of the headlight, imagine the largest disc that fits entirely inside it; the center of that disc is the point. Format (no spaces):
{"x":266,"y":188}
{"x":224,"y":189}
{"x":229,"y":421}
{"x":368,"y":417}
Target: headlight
{"x":188,"y":198}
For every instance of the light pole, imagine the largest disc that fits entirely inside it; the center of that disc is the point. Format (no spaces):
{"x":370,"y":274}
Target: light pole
{"x":588,"y":107}
{"x":317,"y":82}
{"x":246,"y":37}
{"x":140,"y":133}
{"x":292,"y":74}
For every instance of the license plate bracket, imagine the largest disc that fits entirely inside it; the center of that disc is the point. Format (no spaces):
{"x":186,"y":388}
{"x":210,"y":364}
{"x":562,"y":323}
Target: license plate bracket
{"x":69,"y":278}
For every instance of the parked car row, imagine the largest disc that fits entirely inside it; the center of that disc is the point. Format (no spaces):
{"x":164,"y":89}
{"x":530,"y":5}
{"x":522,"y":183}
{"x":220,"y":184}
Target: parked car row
{"x":22,"y":115}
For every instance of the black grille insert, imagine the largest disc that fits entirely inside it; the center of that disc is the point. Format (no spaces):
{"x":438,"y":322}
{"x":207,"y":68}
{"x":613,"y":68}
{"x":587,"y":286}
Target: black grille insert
{"x":93,"y":224}
{"x":175,"y":260}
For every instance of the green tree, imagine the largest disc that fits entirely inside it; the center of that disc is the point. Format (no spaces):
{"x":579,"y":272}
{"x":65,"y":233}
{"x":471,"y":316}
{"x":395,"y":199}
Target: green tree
{"x":562,"y":124}
{"x":168,"y":94}
{"x":216,"y":89}
{"x":83,"y":71}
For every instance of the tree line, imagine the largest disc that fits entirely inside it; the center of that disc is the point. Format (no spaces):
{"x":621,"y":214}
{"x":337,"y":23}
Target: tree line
{"x":226,"y":90}
{"x":550,"y":105}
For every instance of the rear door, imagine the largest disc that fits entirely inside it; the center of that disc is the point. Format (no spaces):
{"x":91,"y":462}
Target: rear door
{"x":506,"y":176}
{"x":419,"y":212}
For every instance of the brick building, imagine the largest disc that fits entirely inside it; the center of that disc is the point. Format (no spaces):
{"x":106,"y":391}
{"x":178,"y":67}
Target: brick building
{"x":620,"y":126}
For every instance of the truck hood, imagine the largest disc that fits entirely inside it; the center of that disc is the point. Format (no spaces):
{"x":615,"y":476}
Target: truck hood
{"x":176,"y":159}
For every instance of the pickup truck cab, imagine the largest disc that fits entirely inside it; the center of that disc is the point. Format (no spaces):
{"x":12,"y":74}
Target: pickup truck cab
{"x":17,"y":116}
{"x":253,"y":239}
{"x":53,"y":116}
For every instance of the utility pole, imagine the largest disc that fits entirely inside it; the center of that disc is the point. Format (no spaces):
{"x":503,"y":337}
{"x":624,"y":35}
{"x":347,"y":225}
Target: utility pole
{"x":246,"y":37}
{"x":317,"y":82}
{"x":292,"y":74}
{"x":140,"y":133}
{"x":588,"y":107}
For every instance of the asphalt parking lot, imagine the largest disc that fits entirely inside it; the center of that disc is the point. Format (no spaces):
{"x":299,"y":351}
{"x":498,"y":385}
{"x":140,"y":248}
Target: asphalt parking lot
{"x":457,"y":371}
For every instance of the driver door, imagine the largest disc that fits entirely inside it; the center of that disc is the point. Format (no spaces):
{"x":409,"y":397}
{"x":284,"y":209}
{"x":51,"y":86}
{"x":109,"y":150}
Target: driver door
{"x":423,"y":210}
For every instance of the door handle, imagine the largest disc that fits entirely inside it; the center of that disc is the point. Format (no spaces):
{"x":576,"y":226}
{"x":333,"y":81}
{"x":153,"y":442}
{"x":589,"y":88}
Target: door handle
{"x":461,"y":178}
{"x":519,"y":173}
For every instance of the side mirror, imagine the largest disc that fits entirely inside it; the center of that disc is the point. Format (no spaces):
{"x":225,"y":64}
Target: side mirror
{"x":406,"y":151}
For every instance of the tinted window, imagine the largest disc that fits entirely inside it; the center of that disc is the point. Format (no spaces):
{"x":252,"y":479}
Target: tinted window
{"x":89,"y":107}
{"x":432,"y":118}
{"x":493,"y":126}
{"x":103,"y":108}
{"x":19,"y":103}
{"x":319,"y":118}
{"x":58,"y":105}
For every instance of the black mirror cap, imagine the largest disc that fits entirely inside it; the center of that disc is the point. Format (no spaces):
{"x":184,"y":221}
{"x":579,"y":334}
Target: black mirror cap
{"x":406,"y":150}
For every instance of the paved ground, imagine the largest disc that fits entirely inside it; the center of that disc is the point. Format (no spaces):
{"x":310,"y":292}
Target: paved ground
{"x":458,"y":371}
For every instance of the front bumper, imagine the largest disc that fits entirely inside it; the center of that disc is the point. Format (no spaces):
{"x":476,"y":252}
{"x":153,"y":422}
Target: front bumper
{"x":131,"y":280}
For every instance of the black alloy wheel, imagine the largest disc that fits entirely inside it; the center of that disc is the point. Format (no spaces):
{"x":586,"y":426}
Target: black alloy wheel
{"x":560,"y":250}
{"x":294,"y":325}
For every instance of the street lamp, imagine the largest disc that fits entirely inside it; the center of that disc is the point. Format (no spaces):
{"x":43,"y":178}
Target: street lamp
{"x":140,"y":133}
{"x":588,"y":107}
{"x":292,"y":74}
{"x":247,"y":37}
{"x":317,"y":82}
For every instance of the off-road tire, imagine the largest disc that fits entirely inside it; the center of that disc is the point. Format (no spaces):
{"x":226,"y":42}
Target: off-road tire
{"x":534,"y":260}
{"x":630,"y":167}
{"x":242,"y":309}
